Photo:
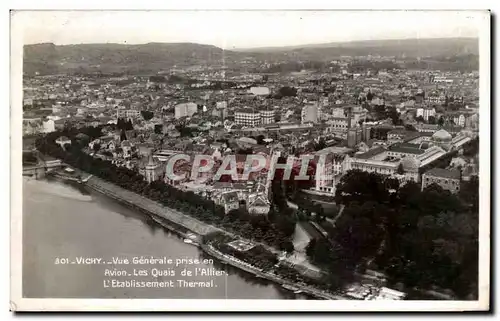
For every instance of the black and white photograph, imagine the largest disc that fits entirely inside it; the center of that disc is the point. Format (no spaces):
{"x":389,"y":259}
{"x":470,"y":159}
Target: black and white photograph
{"x":324,"y":160}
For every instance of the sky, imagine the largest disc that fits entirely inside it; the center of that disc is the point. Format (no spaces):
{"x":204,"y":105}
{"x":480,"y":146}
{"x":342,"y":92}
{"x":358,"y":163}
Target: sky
{"x":241,"y":29}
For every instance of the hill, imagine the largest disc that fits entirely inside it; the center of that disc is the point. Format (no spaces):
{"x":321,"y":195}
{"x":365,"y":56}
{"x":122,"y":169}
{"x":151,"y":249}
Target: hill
{"x":49,"y":58}
{"x":397,"y":47}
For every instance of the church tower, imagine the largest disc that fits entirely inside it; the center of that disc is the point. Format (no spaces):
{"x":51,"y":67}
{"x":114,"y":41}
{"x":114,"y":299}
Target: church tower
{"x":151,"y":169}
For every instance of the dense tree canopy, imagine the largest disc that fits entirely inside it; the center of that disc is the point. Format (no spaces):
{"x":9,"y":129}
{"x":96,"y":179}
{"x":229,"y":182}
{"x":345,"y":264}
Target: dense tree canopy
{"x":420,"y":238}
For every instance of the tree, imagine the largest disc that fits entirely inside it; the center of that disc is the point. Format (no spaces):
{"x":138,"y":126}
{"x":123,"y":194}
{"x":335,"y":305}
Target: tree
{"x":394,"y":115}
{"x":158,"y":129}
{"x":123,"y":136}
{"x":147,"y":115}
{"x":96,"y":147}
{"x":129,"y":125}
{"x":469,"y":192}
{"x":321,"y":144}
{"x":360,"y":186}
{"x":285,"y":224}
{"x":400,"y":170}
{"x":260,"y":139}
{"x":287,"y":246}
{"x":472,"y":148}
{"x":287,"y":92}
{"x":441,"y":121}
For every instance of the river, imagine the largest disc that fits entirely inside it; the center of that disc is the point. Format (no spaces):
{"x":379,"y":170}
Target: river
{"x":65,"y":222}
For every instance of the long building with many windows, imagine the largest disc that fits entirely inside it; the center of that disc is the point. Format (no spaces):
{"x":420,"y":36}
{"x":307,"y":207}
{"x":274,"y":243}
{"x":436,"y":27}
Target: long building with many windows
{"x":247,"y":117}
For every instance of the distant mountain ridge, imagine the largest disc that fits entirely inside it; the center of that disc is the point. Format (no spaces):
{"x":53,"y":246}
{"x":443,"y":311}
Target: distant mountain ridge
{"x":391,"y":47}
{"x":48,"y":58}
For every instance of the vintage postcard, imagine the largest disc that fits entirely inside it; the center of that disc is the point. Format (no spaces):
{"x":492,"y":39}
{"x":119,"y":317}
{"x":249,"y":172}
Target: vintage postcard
{"x":250,"y":160}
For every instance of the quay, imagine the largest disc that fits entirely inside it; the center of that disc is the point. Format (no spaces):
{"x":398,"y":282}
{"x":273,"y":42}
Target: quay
{"x":193,"y":229}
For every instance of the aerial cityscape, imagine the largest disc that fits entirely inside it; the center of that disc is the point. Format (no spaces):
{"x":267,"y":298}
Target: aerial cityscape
{"x":339,"y":171}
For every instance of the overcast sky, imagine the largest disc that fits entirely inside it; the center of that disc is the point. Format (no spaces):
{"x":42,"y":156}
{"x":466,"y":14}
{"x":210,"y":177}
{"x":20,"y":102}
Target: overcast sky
{"x":241,"y":29}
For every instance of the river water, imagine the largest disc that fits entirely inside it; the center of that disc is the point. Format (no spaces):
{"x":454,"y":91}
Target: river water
{"x":63,"y":222}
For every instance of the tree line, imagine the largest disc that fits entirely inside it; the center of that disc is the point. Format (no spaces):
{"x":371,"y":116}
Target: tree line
{"x":419,"y":238}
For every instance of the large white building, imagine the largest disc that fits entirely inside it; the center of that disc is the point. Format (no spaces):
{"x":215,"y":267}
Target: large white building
{"x":49,"y":126}
{"x":266,"y":116}
{"x":386,"y":161}
{"x":311,"y":113}
{"x":426,"y":112}
{"x":259,"y":91}
{"x":247,"y":117}
{"x":185,"y":110}
{"x":330,"y":167}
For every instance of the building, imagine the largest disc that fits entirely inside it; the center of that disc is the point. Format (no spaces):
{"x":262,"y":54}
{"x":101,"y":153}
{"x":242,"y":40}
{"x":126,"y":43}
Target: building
{"x":259,"y":91}
{"x":229,"y":200}
{"x":127,"y":113}
{"x":247,"y":117}
{"x":185,"y":110}
{"x":464,"y":118}
{"x":427,"y":128}
{"x":266,"y":116}
{"x":32,"y":126}
{"x":63,"y":140}
{"x":357,"y":114}
{"x":153,"y":169}
{"x":436,"y":98}
{"x":126,"y":149}
{"x":366,"y":134}
{"x":221,"y":105}
{"x":386,"y":161}
{"x":328,"y":174}
{"x":258,"y":204}
{"x":338,"y":124}
{"x":354,"y":136}
{"x":396,"y":136}
{"x":426,"y":112}
{"x":442,"y":138}
{"x":330,"y":168}
{"x":311,"y":113}
{"x":447,"y":179}
{"x":49,"y":126}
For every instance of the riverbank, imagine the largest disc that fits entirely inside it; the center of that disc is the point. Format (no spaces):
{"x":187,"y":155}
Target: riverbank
{"x":269,"y":276}
{"x":185,"y":226}
{"x":151,"y":207}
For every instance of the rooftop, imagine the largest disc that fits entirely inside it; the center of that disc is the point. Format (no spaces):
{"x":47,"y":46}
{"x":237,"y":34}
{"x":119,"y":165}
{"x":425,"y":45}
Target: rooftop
{"x":372,"y":152}
{"x":407,"y":148}
{"x":444,"y":173}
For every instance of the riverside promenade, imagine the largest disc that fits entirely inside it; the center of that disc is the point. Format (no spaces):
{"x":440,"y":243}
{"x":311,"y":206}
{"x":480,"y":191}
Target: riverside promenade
{"x":151,"y":206}
{"x":200,"y":228}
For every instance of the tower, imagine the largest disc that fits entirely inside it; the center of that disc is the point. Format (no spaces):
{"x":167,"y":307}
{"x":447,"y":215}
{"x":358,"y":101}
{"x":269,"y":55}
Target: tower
{"x":151,"y":169}
{"x":348,"y":113}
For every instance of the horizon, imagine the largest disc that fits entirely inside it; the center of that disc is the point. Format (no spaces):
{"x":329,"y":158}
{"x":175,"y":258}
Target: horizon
{"x":250,"y":48}
{"x":242,"y":30}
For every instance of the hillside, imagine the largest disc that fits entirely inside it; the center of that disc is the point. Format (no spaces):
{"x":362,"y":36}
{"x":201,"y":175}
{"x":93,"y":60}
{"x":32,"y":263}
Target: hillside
{"x":152,"y":57}
{"x":49,"y":58}
{"x":398,"y":48}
